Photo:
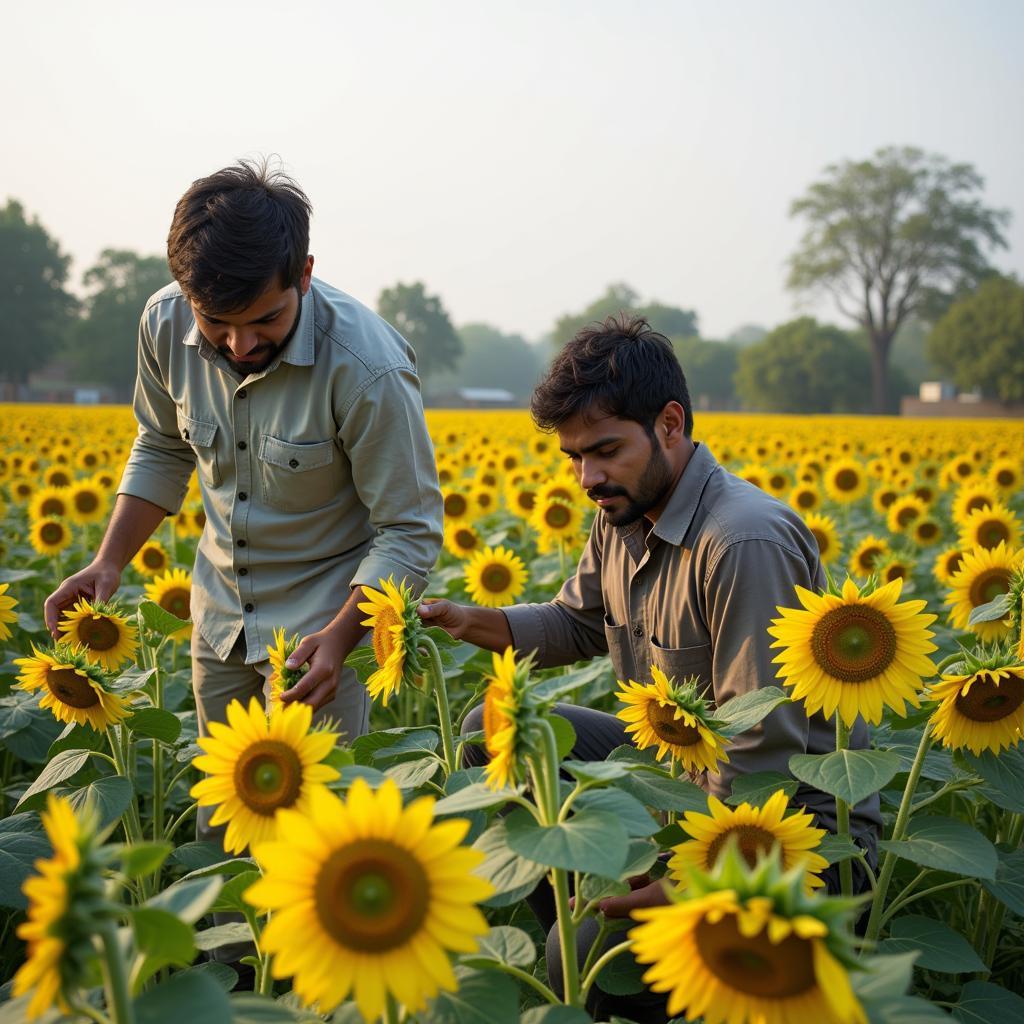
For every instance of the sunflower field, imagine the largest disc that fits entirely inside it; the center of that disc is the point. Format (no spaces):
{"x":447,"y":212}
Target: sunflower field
{"x":386,"y":880}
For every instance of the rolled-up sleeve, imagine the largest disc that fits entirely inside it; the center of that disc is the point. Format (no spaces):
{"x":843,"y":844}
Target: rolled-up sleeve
{"x":160,"y":463}
{"x":570,"y":627}
{"x":385,"y":436}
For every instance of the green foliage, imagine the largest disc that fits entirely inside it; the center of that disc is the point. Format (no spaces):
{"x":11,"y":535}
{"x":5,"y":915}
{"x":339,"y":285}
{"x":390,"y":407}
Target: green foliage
{"x":35,"y":308}
{"x":980,"y":340}
{"x":806,"y":367}
{"x":710,"y":368}
{"x":894,"y":236}
{"x":671,"y":321}
{"x":423,"y":321}
{"x":102,"y":344}
{"x":492,"y":359}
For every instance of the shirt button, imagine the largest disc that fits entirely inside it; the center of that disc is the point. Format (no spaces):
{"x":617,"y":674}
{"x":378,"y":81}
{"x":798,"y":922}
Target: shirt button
{"x":240,"y":542}
{"x":241,"y":446}
{"x":184,"y":434}
{"x":241,"y":394}
{"x":243,"y":571}
{"x":249,"y":607}
{"x":242,"y":496}
{"x":294,"y":463}
{"x":638,"y":630}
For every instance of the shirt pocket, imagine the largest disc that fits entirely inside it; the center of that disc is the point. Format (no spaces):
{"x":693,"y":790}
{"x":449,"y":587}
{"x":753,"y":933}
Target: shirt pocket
{"x":682,"y":662}
{"x":298,"y":477}
{"x":201,"y":435}
{"x":617,"y":638}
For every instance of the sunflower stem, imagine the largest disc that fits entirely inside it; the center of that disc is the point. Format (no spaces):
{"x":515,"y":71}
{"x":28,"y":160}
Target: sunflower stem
{"x":176,"y":824}
{"x":606,"y":958}
{"x":116,"y":978}
{"x":499,"y":965}
{"x":904,"y":900}
{"x":950,"y":659}
{"x":86,"y":1010}
{"x":443,"y":712}
{"x":1013,"y":828}
{"x":900,"y":827}
{"x":843,"y":813}
{"x":390,"y":1015}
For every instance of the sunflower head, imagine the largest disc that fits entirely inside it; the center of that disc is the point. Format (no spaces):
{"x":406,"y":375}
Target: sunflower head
{"x":397,"y":629}
{"x":172,"y":591}
{"x":65,"y":898}
{"x":750,"y":943}
{"x":990,"y":527}
{"x":7,"y":612}
{"x":823,"y":529}
{"x":512,"y":708}
{"x":71,"y":686}
{"x":151,"y":559}
{"x":495,"y":577}
{"x":49,"y":535}
{"x":676,"y":719}
{"x":283,"y":678}
{"x":102,"y":632}
{"x":984,"y":574}
{"x":858,"y":650}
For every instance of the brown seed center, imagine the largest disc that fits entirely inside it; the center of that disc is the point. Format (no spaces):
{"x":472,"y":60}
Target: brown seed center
{"x":669,"y":728}
{"x":455,"y":505}
{"x":51,"y":533}
{"x":847,"y":479}
{"x":177,"y":602}
{"x":86,"y":501}
{"x":71,"y":687}
{"x":988,"y":585}
{"x":992,"y":533}
{"x":98,"y":633}
{"x":822,"y":538}
{"x":383,"y":641}
{"x":53,"y":507}
{"x":153,"y":558}
{"x":557,"y":517}
{"x":853,"y":643}
{"x":990,"y":699}
{"x":496,"y":578}
{"x":268,"y":775}
{"x":465,"y":539}
{"x":752,"y":841}
{"x":806,"y":499}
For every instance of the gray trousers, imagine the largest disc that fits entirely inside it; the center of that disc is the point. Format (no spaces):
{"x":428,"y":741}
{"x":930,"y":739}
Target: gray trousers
{"x":216,"y":683}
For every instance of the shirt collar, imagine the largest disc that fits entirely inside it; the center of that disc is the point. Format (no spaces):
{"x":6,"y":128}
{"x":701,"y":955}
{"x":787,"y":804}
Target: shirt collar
{"x":678,"y":514}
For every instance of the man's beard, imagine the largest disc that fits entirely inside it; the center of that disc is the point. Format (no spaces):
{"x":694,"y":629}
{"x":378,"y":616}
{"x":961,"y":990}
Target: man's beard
{"x":269,"y":351}
{"x":652,"y":486}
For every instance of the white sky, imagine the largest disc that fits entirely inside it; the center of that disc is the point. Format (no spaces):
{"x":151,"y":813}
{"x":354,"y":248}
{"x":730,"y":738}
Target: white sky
{"x":517,"y":157}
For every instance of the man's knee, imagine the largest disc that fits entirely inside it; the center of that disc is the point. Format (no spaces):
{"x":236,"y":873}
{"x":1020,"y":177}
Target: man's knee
{"x":473,"y":754}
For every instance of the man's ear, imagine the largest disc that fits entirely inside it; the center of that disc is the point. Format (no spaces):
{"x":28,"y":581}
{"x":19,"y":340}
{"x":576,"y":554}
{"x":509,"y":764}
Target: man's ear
{"x":307,"y":275}
{"x":671,"y":424}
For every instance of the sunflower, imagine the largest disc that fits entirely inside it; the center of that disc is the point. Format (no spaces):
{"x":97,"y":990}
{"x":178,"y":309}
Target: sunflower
{"x":757,"y":830}
{"x":73,"y":688}
{"x":521,"y":499}
{"x":926,"y":531}
{"x":101,"y":632}
{"x":854,"y":652}
{"x":7,"y":613}
{"x":564,"y":491}
{"x":740,"y":946}
{"x":396,"y":628}
{"x":845,"y":481}
{"x":457,"y":506}
{"x":904,"y":512}
{"x":894,"y":567}
{"x":557,"y":522}
{"x":50,"y":503}
{"x":823,"y":528}
{"x":257,"y":766}
{"x":282,"y":678}
{"x":868,"y":554}
{"x":980,"y":711}
{"x":1005,"y":474}
{"x":63,"y":898}
{"x":506,"y":704}
{"x":495,"y":577}
{"x":461,"y":539}
{"x":49,"y":536}
{"x":674,"y":718}
{"x":754,"y":473}
{"x":883,"y":497}
{"x":173,"y":592}
{"x":777,"y":483}
{"x":947,"y":562}
{"x":367,"y":898}
{"x":86,"y":502}
{"x":805,"y":498}
{"x":983,"y":575}
{"x":152,"y":559}
{"x":57,"y":476}
{"x":972,"y":497}
{"x":957,"y":470}
{"x":989,"y":527}
{"x":484,"y":500}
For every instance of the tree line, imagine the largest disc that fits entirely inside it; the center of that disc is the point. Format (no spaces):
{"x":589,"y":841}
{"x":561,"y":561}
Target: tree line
{"x":898,"y":242}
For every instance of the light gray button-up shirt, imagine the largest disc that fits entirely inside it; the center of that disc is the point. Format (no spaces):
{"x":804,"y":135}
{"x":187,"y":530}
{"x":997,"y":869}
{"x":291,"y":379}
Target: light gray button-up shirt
{"x":317,"y":473}
{"x":695,"y":597}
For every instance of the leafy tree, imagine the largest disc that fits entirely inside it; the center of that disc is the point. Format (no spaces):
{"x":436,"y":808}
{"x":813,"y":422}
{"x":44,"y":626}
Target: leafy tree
{"x":748,"y":334}
{"x":671,"y":321}
{"x":422,"y":320}
{"x":491,"y":359}
{"x":710,"y":368}
{"x":103,"y":342}
{"x":980,"y":340}
{"x":805,"y":367}
{"x":897,"y":235}
{"x":35,"y":308}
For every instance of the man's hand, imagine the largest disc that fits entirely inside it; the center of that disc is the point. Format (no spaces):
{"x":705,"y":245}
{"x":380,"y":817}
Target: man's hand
{"x":452,"y":618}
{"x":98,"y":581}
{"x":326,"y":652}
{"x":645,"y":893}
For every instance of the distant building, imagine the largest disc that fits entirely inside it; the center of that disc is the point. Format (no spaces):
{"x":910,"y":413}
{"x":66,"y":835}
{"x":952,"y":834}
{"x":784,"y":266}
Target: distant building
{"x":475,"y":398}
{"x":939,"y":398}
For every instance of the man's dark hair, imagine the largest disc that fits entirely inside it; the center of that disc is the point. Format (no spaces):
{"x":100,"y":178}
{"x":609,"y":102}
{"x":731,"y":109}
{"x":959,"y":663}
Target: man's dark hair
{"x":237,"y":231}
{"x":620,"y":367}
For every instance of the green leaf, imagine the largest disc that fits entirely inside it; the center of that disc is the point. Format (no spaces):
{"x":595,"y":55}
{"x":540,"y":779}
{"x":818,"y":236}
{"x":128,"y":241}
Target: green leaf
{"x":22,"y":843}
{"x":565,"y":735}
{"x":110,"y":795}
{"x":946,"y":844}
{"x":373,"y":776}
{"x":748,"y":709}
{"x":757,"y":787}
{"x":412,"y":774}
{"x":1008,"y":885}
{"x":633,"y":815}
{"x":838,"y":848}
{"x":66,"y":764}
{"x":1004,"y":777}
{"x":512,"y":876}
{"x":222,"y":974}
{"x":595,"y":771}
{"x":78,"y":737}
{"x":17,"y":575}
{"x":508,"y":945}
{"x":938,"y":946}
{"x":483,"y":997}
{"x":162,"y":938}
{"x":223,"y":935}
{"x":589,"y":841}
{"x":473,"y":798}
{"x":144,"y":858}
{"x":381,"y":747}
{"x":851,"y":775}
{"x":159,"y":620}
{"x":904,"y":1010}
{"x":981,"y":1002}
{"x":197,"y":855}
{"x":229,"y":867}
{"x":621,"y":977}
{"x":656,"y":789}
{"x":190,"y":996}
{"x":31,"y":729}
{"x":555,"y":1015}
{"x":230,"y":897}
{"x":250,"y":1008}
{"x":188,"y":899}
{"x":886,"y":977}
{"x":131,"y":679}
{"x":627,"y":754}
{"x":996,"y":609}
{"x":155,"y":723}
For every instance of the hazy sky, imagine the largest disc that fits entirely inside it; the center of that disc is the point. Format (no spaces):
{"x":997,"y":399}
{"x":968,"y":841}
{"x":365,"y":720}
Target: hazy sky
{"x":517,"y":157}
